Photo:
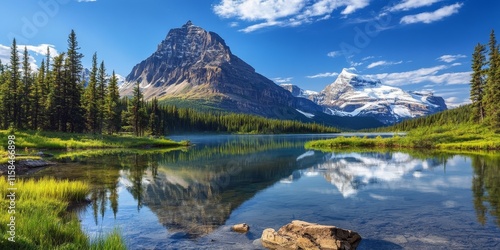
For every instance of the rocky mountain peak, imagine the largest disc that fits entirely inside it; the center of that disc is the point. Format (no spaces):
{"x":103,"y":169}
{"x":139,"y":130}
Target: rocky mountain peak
{"x":188,"y":24}
{"x":183,"y":56}
{"x":194,"y":64}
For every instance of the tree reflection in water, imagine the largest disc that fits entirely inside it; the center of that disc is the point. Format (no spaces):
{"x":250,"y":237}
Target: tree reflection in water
{"x":486,"y":187}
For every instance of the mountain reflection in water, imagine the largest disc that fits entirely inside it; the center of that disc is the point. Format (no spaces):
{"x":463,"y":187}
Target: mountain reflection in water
{"x":349,"y":172}
{"x":163,"y":199}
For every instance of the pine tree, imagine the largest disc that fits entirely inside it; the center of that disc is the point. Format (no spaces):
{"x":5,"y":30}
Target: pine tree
{"x":90,"y":99}
{"x":135,"y":114}
{"x":36,"y":99}
{"x":478,"y":83}
{"x":74,"y":110}
{"x":112,"y":108}
{"x":56,"y":103}
{"x":45,"y":90}
{"x":12,"y":104}
{"x":492,"y":106}
{"x":24,"y":89}
{"x":101,"y":95}
{"x":154,"y":119}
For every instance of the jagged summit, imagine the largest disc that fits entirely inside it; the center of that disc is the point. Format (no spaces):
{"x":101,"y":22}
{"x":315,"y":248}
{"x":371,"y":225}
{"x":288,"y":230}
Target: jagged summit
{"x":188,"y":24}
{"x":186,"y":49}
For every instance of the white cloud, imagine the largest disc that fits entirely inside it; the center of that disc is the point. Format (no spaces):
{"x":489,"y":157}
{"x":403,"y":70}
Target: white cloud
{"x":281,"y":80}
{"x":4,"y":53}
{"x":38,"y":50}
{"x":412,"y":4}
{"x":252,"y":10}
{"x":269,"y":13}
{"x":234,"y":24}
{"x":450,"y":58}
{"x":381,"y":63}
{"x":423,"y":75}
{"x":255,"y":27}
{"x":334,"y":53}
{"x":429,"y":17}
{"x":453,"y":102}
{"x":355,"y":5}
{"x":355,"y":64}
{"x":323,"y":75}
{"x":367,"y":58}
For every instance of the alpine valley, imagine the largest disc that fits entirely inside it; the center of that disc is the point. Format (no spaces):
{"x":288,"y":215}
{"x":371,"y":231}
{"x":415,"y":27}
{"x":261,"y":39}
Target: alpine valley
{"x":195,"y":68}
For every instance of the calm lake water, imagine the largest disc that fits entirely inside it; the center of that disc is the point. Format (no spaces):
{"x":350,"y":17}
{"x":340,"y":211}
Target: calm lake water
{"x":188,"y":199}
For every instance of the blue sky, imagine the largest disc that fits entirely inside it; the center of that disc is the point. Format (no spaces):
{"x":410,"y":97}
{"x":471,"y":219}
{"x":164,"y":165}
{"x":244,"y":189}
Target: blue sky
{"x":412,"y":44}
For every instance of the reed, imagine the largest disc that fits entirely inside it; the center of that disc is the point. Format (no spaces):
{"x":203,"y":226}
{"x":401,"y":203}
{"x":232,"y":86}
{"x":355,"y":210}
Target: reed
{"x":42,"y":217}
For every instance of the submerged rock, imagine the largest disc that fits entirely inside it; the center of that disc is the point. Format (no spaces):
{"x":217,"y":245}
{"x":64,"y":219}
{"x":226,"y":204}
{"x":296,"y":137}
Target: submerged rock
{"x":241,"y":228}
{"x":305,"y":235}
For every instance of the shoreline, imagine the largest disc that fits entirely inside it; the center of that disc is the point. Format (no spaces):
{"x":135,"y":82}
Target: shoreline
{"x":27,"y":167}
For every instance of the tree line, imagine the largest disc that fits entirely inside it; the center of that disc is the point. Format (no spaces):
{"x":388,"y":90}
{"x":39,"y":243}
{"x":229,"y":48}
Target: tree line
{"x":485,"y":83}
{"x":57,"y":97}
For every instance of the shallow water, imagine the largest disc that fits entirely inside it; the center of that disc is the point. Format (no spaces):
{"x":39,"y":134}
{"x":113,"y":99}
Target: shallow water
{"x":189,"y":199}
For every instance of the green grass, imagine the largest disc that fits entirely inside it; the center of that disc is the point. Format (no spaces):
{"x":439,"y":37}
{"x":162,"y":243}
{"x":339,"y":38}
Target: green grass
{"x":42,"y":220}
{"x":30,"y":141}
{"x":446,"y":137}
{"x":58,"y":140}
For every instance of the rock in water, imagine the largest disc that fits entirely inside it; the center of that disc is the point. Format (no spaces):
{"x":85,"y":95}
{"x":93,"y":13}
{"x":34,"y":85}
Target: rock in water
{"x":305,"y":235}
{"x":241,"y":228}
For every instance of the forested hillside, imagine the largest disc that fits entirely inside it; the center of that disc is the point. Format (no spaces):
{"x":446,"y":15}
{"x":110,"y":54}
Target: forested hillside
{"x":56,"y":97}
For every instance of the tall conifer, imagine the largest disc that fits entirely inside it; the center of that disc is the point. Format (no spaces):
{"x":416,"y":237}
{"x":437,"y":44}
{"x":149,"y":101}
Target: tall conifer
{"x":478,"y":83}
{"x":112,"y":108}
{"x":90,"y":98}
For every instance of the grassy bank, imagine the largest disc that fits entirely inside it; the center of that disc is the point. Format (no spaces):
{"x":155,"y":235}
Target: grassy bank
{"x":28,"y":141}
{"x":59,"y":140}
{"x":42,"y":220}
{"x":446,"y":137}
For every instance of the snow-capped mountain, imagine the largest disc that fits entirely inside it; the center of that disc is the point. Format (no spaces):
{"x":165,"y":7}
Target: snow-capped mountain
{"x":354,"y":95}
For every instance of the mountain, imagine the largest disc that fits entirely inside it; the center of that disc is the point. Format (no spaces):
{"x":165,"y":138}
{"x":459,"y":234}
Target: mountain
{"x":352,"y":95}
{"x":196,"y":66}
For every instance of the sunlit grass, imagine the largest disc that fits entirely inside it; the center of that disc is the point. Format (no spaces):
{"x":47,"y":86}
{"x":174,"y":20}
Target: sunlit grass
{"x":41,"y":217}
{"x":449,"y":137}
{"x":113,"y":241}
{"x":27,"y":142}
{"x":58,"y":140}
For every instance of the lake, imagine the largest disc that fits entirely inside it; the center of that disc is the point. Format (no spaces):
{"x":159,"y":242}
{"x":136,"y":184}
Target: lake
{"x":189,"y":199}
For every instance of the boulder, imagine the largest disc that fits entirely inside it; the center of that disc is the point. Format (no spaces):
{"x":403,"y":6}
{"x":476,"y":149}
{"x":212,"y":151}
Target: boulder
{"x":305,"y":235}
{"x":241,"y":228}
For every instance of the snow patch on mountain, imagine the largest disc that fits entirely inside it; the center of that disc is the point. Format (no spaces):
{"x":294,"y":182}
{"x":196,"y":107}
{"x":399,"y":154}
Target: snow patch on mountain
{"x":308,"y":115}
